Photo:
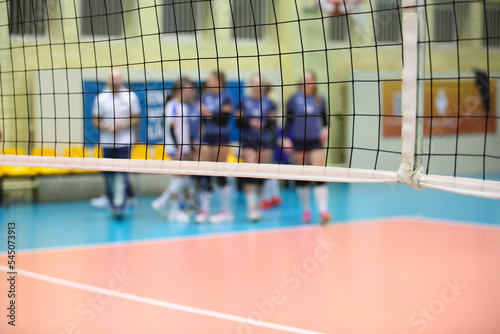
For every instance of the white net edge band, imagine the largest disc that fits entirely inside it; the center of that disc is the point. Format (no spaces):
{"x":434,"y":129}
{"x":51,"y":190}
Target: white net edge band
{"x":460,"y":185}
{"x":251,"y":170}
{"x":465,"y":186}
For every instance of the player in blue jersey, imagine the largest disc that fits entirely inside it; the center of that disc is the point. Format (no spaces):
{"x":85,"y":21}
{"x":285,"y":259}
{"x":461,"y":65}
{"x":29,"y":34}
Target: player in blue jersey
{"x":271,"y":190}
{"x":256,"y":120}
{"x":306,"y":132}
{"x":216,"y":108}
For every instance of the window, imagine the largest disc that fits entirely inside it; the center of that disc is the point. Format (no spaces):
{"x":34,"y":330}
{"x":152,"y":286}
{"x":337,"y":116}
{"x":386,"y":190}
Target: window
{"x":338,"y":28}
{"x":184,"y":17}
{"x":388,"y":21}
{"x":28,"y":17}
{"x":102,"y":18}
{"x":491,"y":26}
{"x":450,"y":20}
{"x":249,"y":18}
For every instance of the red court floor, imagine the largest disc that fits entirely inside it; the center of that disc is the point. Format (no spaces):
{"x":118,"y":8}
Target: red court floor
{"x":397,"y":276}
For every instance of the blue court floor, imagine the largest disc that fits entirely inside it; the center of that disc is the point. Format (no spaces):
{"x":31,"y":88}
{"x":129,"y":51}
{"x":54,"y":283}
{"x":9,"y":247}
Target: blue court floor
{"x":78,"y":223}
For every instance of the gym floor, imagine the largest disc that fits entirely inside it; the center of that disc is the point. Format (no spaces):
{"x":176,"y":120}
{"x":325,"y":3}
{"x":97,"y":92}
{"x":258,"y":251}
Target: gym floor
{"x":394,"y":260}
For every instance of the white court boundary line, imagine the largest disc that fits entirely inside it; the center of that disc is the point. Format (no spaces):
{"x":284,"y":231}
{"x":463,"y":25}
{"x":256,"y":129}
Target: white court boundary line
{"x":202,"y":236}
{"x":158,"y":303}
{"x":226,"y":234}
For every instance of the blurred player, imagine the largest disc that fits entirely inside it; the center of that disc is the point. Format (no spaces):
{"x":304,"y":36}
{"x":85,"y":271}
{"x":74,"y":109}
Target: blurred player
{"x":257,"y":123}
{"x":178,"y":142}
{"x":115,"y":112}
{"x":306,"y":132}
{"x":216,"y":109}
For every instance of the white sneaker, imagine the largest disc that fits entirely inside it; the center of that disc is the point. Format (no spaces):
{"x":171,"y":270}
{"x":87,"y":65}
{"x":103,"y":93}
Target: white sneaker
{"x":183,"y":217}
{"x":201,"y":217}
{"x":178,"y":216}
{"x":254,"y":215}
{"x":158,"y":203}
{"x":222,"y":217}
{"x":101,"y":202}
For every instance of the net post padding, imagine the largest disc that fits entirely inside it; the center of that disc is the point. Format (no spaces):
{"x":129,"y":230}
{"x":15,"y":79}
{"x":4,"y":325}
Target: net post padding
{"x":252,"y":170}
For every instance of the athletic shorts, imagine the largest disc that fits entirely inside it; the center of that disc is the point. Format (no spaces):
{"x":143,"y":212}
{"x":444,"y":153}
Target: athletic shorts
{"x":216,"y":139}
{"x":307,"y":145}
{"x":257,"y":141}
{"x":120,"y":152}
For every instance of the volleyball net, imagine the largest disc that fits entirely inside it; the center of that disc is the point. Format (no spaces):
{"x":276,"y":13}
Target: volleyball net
{"x":409,"y":87}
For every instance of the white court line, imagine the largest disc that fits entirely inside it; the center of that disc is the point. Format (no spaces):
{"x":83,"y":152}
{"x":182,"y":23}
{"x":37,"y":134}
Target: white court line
{"x":159,"y":303}
{"x":202,"y":236}
{"x":292,"y":228}
{"x":257,"y":231}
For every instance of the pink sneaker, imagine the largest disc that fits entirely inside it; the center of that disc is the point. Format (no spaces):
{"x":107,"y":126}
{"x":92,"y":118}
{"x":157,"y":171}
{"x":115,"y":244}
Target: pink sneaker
{"x":201,"y":217}
{"x":276,"y":201}
{"x":270,"y":203}
{"x":266,"y":204}
{"x":325,"y":217}
{"x":306,"y":217}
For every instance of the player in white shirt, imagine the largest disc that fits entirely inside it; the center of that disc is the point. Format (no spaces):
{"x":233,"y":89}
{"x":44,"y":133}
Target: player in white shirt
{"x":116,"y":112}
{"x":178,"y":145}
